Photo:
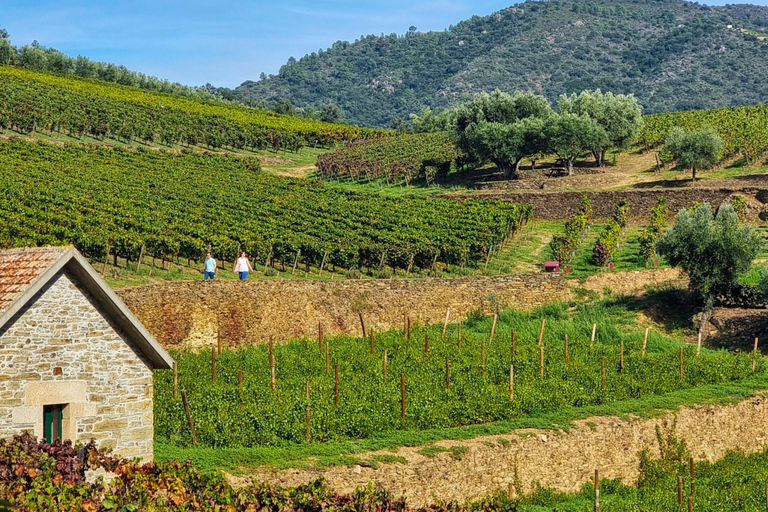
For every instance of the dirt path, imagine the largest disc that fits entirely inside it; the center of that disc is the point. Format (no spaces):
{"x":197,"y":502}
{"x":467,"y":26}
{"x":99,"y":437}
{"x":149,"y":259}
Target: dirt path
{"x":564,"y":461}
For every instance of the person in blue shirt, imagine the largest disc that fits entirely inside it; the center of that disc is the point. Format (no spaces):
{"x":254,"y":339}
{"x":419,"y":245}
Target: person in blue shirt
{"x":210,"y":267}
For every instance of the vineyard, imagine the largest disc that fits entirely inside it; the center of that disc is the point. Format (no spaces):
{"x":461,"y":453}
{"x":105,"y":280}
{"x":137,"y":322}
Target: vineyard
{"x":133,"y":203}
{"x":744,"y":130}
{"x":403,"y":157}
{"x":40,"y":102}
{"x":511,"y":366}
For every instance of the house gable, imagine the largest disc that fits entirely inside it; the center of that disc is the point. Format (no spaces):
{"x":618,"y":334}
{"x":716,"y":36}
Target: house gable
{"x":63,"y":348}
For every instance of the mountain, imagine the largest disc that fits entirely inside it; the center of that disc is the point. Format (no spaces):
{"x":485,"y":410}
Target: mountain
{"x":672,"y":54}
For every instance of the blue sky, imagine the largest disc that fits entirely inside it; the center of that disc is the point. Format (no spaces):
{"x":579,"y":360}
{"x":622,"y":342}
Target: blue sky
{"x":224,"y":42}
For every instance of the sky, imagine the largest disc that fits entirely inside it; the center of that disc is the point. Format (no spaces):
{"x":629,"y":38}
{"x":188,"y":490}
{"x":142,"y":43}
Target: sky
{"x":224,"y":42}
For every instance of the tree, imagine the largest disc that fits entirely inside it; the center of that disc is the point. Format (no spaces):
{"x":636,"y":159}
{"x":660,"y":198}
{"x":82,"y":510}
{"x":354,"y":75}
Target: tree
{"x":695,"y":150}
{"x":430,"y":121}
{"x":712,"y":249}
{"x":570,"y":135}
{"x":619,"y":115}
{"x":501,"y":128}
{"x":330,"y":113}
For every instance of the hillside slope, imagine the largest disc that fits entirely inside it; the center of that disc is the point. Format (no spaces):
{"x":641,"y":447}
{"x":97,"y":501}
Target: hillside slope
{"x":673,"y":55}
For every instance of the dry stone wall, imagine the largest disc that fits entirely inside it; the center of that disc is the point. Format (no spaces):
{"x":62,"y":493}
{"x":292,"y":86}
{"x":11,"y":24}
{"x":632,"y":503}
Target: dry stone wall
{"x":562,"y":205}
{"x":193,"y":314}
{"x":61,"y":349}
{"x":562,"y":460}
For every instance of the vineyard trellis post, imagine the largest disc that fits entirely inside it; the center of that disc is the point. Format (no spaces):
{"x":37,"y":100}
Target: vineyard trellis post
{"x":445,"y":324}
{"x":511,"y":382}
{"x":513,"y":344}
{"x":698,"y":345}
{"x":754,"y":356}
{"x":679,"y":490}
{"x":295,"y":261}
{"x":597,"y":490}
{"x":592,"y":340}
{"x":213,"y":364}
{"x":645,"y":339}
{"x":322,"y":263}
{"x":188,"y":413}
{"x":362,"y":322}
{"x":320,"y":336}
{"x":493,"y":328}
{"x":541,"y":332}
{"x":218,"y":341}
{"x":541,"y":361}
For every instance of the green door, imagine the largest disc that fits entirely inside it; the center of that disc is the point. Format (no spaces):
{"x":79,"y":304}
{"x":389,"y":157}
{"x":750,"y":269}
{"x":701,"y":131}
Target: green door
{"x":52,"y":419}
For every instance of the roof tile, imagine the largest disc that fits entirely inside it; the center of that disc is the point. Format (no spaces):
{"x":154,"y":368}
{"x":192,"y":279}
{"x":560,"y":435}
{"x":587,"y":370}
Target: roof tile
{"x":19,"y":268}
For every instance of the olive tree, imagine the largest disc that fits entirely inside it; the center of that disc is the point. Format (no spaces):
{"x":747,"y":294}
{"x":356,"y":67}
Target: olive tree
{"x":570,"y":135}
{"x":713,"y":250}
{"x":695,"y":150}
{"x":619,"y":115}
{"x":501,"y":128}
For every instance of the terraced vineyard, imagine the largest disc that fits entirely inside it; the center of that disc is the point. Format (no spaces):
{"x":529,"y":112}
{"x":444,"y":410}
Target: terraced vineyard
{"x":165,"y":205}
{"x":350,"y":388}
{"x":41,"y":102}
{"x":744,"y":130}
{"x":404,"y":157}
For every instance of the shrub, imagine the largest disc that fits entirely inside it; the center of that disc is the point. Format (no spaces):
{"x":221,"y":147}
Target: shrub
{"x":563,"y":245}
{"x":606,"y":243}
{"x":622,"y":213}
{"x":652,"y":233}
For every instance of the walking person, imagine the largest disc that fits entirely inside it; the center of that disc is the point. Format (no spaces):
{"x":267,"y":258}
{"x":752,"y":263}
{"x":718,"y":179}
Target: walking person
{"x":243,"y":266}
{"x":210,"y":267}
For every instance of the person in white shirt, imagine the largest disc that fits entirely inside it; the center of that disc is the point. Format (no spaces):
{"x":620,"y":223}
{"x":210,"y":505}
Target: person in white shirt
{"x":243,"y":266}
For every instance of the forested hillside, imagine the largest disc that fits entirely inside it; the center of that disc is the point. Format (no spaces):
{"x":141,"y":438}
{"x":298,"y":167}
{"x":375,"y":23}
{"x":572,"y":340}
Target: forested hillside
{"x":673,"y":55}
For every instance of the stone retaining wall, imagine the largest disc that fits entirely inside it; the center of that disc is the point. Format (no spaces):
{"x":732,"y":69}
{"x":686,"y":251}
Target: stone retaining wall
{"x":561,"y":205}
{"x":561,"y":460}
{"x":191,"y":314}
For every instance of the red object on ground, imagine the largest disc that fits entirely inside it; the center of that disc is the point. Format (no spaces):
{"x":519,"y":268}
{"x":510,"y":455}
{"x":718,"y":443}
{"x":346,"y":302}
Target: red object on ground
{"x":567,"y":268}
{"x":551,"y":266}
{"x":610,"y":265}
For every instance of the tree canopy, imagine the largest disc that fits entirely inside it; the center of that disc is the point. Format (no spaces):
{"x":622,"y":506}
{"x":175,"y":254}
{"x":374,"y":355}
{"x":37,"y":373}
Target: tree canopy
{"x":569,"y":135}
{"x":695,"y":150}
{"x":502,"y":128}
{"x":619,"y":115}
{"x":713,"y":250}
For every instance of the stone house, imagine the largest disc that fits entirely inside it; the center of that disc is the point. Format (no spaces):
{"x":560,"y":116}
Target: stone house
{"x":75,"y":363}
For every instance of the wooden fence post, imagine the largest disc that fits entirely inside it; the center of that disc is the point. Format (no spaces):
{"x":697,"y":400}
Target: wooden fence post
{"x":189,"y":416}
{"x":402,"y":396}
{"x":679,"y":490}
{"x":175,"y":380}
{"x":493,"y":328}
{"x":698,"y":345}
{"x":141,"y":258}
{"x":445,"y":324}
{"x":273,"y":381}
{"x":513,"y":343}
{"x":320,"y":336}
{"x":754,"y":357}
{"x":213,"y":364}
{"x":541,"y":332}
{"x":693,"y":479}
{"x":322,"y":264}
{"x":645,"y":339}
{"x":511,"y":382}
{"x":592,"y":339}
{"x":541,"y":360}
{"x":362,"y":322}
{"x":597,"y":491}
{"x":690,"y":503}
{"x":447,"y":373}
{"x":240,"y":379}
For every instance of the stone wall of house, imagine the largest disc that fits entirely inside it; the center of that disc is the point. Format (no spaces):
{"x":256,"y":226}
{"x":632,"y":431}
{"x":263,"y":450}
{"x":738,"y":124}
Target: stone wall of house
{"x":60,"y":349}
{"x":192,"y":314}
{"x":561,"y":205}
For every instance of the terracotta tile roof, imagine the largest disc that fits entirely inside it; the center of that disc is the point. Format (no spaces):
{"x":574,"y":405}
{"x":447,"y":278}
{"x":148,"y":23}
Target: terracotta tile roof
{"x":21,"y":267}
